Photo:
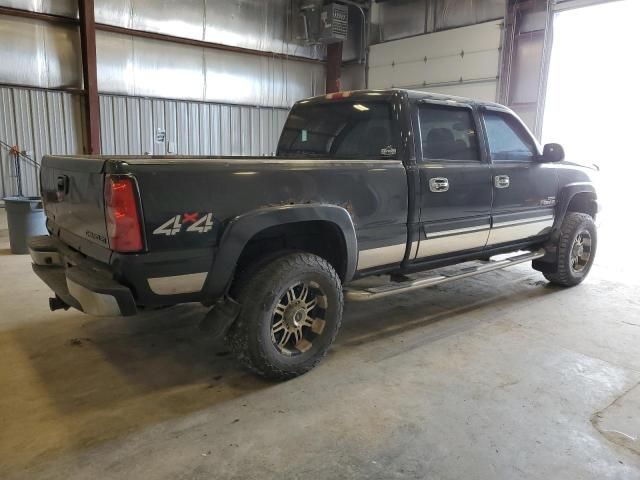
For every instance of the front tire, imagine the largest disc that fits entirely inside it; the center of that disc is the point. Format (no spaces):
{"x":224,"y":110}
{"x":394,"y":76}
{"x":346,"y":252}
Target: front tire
{"x":291,"y":310}
{"x":576,"y":250}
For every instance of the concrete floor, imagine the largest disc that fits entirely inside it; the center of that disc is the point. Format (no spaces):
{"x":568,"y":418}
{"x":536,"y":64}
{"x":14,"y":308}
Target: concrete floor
{"x":500,"y":376}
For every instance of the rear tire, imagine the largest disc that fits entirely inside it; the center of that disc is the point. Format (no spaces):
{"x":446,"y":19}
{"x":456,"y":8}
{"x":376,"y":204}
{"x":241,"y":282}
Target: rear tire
{"x":576,"y":250}
{"x":291,"y":310}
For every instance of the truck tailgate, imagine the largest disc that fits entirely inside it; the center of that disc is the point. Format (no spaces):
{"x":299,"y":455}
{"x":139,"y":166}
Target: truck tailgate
{"x":72,"y":191}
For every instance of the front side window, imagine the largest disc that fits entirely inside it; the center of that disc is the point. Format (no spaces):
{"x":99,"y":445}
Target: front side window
{"x":341,"y":130}
{"x":448,"y":133}
{"x":508,"y":140}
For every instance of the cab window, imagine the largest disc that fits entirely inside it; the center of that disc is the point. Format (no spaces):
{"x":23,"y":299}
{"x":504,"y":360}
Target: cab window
{"x":341,"y":130}
{"x":508,"y":140}
{"x":448,"y":133}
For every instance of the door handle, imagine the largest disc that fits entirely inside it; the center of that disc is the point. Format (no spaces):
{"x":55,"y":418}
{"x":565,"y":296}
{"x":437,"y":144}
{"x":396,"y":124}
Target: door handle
{"x":502,"y":181}
{"x":439,"y":184}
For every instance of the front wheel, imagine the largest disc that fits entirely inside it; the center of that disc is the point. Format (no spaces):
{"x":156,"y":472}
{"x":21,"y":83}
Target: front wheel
{"x":291,"y":310}
{"x":576,"y":250}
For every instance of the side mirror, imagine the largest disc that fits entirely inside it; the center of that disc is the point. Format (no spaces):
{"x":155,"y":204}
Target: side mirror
{"x":553,"y":152}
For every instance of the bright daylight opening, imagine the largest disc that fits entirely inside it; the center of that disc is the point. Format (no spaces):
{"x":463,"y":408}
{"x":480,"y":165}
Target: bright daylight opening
{"x":593,"y":108}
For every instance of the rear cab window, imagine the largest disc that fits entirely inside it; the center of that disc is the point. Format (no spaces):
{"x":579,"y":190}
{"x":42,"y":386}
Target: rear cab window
{"x":340,"y":130}
{"x":448,"y":133}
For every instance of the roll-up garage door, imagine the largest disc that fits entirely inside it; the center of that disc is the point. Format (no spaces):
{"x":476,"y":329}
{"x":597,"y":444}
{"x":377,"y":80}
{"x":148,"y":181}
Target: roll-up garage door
{"x":462,"y":61}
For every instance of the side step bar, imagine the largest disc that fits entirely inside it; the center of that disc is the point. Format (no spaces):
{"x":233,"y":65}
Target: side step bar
{"x":374,"y":293}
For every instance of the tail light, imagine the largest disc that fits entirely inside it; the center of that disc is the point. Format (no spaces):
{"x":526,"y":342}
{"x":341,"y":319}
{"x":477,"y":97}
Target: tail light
{"x":123,"y":219}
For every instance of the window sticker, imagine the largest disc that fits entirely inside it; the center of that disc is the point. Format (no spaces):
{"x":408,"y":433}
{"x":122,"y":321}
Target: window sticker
{"x":304,"y":135}
{"x":388,"y":151}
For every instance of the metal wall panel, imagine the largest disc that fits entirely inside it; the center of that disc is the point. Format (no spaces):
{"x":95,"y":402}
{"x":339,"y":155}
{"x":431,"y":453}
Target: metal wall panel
{"x":400,"y":19}
{"x":462,"y":61}
{"x":251,"y":80}
{"x":129,"y":126}
{"x":113,"y":12}
{"x":39,"y":54}
{"x":180,"y":19}
{"x":269,"y":26}
{"x":352,"y":46}
{"x":7,"y":135}
{"x":107,"y":134}
{"x":162,"y":69}
{"x":65,"y":8}
{"x":353,"y":77}
{"x":146,"y":124}
{"x":134,"y":126}
{"x":406,"y":18}
{"x":144,"y":67}
{"x":459,"y":13}
{"x":527,"y":66}
{"x":38,"y":122}
{"x":525,"y":62}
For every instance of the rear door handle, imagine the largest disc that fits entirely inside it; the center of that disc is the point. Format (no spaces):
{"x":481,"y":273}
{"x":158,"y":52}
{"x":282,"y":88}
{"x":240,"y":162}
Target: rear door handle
{"x":439,"y":184}
{"x":502,"y":181}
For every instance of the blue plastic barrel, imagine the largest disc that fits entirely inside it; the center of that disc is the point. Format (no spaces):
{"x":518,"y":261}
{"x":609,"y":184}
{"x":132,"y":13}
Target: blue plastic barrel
{"x":25,"y":218}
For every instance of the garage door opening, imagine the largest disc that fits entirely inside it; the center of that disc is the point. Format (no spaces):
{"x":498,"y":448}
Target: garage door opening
{"x":592,"y":109}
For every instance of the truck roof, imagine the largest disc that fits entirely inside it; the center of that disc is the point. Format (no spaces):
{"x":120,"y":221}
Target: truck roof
{"x":415,"y":95}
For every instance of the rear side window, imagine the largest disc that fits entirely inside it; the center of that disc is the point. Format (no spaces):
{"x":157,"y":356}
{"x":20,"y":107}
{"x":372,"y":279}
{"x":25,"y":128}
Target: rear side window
{"x":508,"y":140}
{"x":448,"y":133}
{"x":360,"y":130}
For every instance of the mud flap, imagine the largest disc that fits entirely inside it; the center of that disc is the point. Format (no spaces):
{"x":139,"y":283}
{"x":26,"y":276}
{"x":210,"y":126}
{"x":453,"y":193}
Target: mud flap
{"x":220,"y":318}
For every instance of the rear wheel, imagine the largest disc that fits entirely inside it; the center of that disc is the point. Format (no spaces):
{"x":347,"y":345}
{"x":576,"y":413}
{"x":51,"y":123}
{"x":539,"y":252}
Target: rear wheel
{"x":576,"y":250}
{"x":291,"y":310}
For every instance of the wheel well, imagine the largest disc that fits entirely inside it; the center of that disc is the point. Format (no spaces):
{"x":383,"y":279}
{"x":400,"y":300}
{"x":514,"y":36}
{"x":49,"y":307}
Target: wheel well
{"x":583,"y":203}
{"x":318,"y":237}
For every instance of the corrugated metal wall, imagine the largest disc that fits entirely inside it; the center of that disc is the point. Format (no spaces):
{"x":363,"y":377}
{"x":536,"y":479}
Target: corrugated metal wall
{"x":130,"y":125}
{"x":48,"y":122}
{"x":39,"y":122}
{"x":213,"y":102}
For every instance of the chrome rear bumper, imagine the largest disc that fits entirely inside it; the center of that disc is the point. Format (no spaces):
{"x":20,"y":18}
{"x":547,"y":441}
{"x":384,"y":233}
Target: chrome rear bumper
{"x":77,"y":284}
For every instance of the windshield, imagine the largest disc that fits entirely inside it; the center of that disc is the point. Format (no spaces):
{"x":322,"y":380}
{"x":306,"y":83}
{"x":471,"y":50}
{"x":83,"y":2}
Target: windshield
{"x":360,"y":130}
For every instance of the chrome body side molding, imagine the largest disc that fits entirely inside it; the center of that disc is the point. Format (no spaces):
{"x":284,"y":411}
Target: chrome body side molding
{"x":376,"y":257}
{"x":177,"y":284}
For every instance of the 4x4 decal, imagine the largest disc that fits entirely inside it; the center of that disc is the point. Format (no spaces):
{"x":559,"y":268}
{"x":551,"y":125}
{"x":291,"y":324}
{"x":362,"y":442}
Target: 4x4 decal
{"x":197,"y":224}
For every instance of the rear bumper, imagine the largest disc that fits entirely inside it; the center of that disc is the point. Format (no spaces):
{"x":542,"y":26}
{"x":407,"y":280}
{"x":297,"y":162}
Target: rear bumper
{"x":78,"y":282}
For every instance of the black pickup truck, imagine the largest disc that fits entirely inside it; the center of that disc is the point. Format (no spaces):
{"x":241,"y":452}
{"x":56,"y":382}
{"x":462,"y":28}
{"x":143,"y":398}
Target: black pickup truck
{"x":364,"y":183}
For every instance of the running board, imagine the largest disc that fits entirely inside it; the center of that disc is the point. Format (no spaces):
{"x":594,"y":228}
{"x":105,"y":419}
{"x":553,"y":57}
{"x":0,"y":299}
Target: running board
{"x":374,"y":293}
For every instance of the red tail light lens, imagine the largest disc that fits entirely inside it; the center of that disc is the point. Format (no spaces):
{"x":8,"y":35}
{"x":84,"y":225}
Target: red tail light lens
{"x":121,"y":209}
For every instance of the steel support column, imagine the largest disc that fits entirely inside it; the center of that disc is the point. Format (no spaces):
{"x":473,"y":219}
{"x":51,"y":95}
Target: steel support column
{"x":90,"y":76}
{"x":334,"y":64}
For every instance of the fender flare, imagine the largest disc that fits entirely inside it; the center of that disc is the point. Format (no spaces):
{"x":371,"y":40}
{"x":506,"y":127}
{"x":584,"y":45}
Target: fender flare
{"x":242,"y":228}
{"x":566,"y":195}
